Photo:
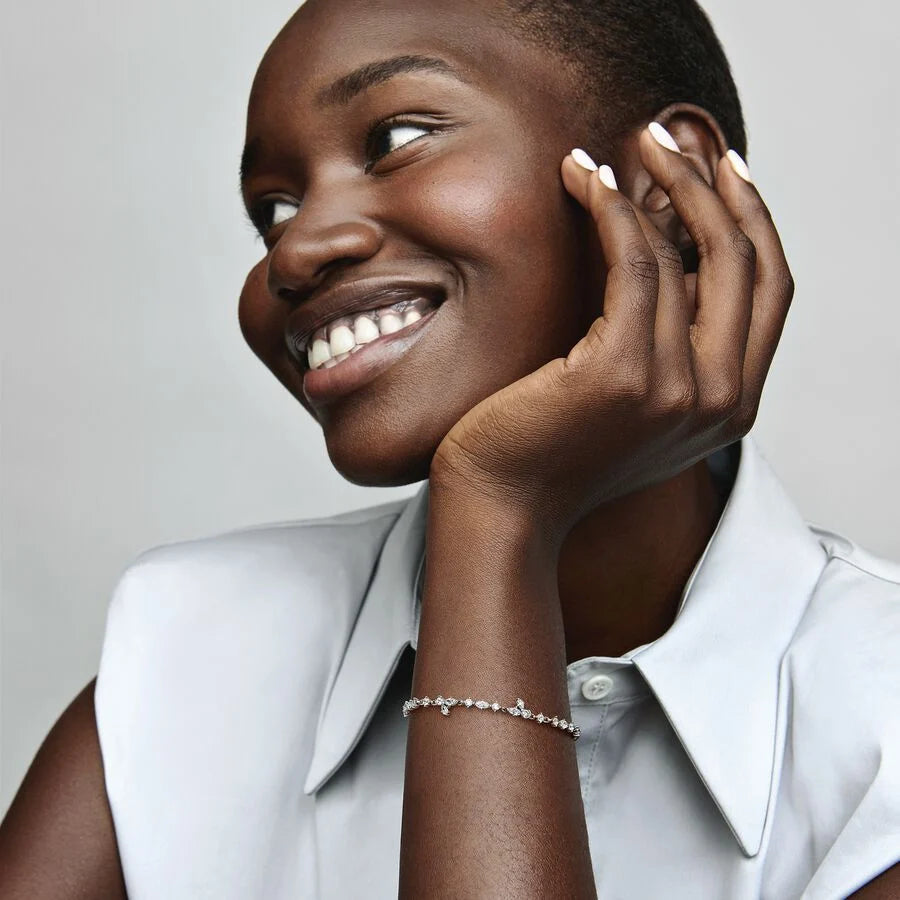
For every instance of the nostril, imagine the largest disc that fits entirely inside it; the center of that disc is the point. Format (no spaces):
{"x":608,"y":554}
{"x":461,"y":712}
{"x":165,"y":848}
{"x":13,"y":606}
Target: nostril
{"x":294,"y":296}
{"x":288,"y":295}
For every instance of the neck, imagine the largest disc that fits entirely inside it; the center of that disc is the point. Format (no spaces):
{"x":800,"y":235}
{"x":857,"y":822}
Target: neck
{"x":623,"y":568}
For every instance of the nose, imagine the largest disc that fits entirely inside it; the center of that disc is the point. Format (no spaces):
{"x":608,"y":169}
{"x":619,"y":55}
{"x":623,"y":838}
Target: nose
{"x":323,"y":235}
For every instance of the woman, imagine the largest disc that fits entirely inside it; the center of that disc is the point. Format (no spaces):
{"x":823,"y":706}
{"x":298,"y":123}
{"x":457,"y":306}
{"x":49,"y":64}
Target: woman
{"x":572,"y":355}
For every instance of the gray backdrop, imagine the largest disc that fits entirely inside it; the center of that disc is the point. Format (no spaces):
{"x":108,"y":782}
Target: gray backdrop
{"x":132,"y":412}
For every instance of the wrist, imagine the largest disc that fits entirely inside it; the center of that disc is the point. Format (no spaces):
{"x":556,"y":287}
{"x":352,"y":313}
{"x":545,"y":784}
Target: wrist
{"x":467,"y":515}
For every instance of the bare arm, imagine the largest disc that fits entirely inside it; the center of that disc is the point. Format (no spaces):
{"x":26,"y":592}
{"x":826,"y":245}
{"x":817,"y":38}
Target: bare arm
{"x":885,"y":887}
{"x":672,"y":370}
{"x":57,"y":839}
{"x":492,"y":804}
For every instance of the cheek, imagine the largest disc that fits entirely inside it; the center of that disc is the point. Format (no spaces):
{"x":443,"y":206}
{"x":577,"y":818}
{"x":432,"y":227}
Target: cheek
{"x":510,"y":230}
{"x":258,"y":317}
{"x":489,"y":211}
{"x":262,"y":321}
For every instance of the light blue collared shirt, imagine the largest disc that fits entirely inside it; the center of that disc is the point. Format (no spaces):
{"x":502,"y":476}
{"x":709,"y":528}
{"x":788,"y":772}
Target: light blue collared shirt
{"x":251,"y":685}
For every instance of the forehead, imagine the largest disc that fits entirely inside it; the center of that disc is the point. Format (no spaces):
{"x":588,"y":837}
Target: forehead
{"x":325,"y":39}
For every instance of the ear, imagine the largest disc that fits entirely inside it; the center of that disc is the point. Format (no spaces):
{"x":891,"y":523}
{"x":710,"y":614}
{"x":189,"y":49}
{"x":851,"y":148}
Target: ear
{"x":701,"y":140}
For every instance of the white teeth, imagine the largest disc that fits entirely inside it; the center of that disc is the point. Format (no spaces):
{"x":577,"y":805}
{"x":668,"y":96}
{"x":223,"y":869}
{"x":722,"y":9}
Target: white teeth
{"x":341,"y":340}
{"x":365,"y":330}
{"x":319,"y":353}
{"x":335,"y":341}
{"x":390,"y":322}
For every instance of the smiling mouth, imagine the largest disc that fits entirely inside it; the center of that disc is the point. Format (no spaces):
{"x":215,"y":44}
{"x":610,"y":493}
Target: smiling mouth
{"x":337,"y":340}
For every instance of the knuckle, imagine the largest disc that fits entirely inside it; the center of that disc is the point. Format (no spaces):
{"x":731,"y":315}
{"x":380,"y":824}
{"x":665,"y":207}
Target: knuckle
{"x":619,"y":208}
{"x":681,"y":395}
{"x":723,"y":397}
{"x":744,"y":419}
{"x":641,"y":265}
{"x":635,"y":389}
{"x":668,"y":258}
{"x":742,"y":247}
{"x":758,"y":214}
{"x":632,"y":382}
{"x":787,"y":285}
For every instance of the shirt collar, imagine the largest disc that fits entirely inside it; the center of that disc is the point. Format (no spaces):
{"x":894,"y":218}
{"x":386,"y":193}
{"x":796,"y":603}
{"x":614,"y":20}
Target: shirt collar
{"x":386,"y":624}
{"x":714,"y":671}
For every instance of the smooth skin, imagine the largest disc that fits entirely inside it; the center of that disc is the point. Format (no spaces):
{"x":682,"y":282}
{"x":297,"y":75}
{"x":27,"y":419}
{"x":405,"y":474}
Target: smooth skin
{"x":561,"y":403}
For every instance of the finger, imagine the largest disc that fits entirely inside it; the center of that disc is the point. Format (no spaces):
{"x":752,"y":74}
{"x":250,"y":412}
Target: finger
{"x":632,"y":281}
{"x":674,"y":312}
{"x":726,"y":271}
{"x":576,"y":171}
{"x":673,"y":307}
{"x":774,"y":285}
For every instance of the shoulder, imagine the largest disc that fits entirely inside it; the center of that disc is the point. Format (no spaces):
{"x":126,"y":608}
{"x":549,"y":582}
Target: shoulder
{"x":851,"y":627}
{"x":842,"y":674}
{"x":216,"y":657}
{"x":843,"y":661}
{"x":254,"y":569}
{"x":264,"y":610}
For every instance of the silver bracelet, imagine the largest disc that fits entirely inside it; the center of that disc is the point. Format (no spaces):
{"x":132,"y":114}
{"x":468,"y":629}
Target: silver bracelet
{"x":445,"y":703}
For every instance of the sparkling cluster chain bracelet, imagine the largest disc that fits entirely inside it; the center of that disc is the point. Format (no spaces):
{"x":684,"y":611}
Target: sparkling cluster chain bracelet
{"x":445,"y":703}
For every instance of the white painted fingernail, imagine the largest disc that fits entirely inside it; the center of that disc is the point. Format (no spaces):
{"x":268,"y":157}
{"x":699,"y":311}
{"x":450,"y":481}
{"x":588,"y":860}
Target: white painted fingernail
{"x":663,"y":137}
{"x":605,"y":174}
{"x":584,"y":160}
{"x":739,"y":165}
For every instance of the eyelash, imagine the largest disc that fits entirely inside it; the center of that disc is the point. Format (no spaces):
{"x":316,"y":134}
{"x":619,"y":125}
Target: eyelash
{"x":388,"y":125}
{"x":380,"y":126}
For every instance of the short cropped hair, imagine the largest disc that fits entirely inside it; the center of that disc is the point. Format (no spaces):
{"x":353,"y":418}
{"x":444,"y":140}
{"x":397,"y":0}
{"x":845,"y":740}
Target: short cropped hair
{"x":631,"y":58}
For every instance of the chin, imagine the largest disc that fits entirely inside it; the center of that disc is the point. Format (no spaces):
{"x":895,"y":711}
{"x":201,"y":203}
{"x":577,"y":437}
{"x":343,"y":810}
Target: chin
{"x":372,"y":460}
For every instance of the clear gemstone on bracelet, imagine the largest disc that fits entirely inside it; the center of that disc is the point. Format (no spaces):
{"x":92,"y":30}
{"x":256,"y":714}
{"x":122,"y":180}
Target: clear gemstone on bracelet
{"x":518,"y":710}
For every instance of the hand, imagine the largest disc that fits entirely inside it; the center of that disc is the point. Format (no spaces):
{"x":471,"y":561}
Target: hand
{"x":647,"y":391}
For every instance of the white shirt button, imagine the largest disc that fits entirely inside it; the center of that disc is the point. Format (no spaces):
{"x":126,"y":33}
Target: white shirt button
{"x":597,"y":687}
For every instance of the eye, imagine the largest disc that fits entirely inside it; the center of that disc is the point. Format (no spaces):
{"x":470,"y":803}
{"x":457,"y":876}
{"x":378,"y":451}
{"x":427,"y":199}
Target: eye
{"x":391,"y":135}
{"x":272,"y":212}
{"x":383,"y":139}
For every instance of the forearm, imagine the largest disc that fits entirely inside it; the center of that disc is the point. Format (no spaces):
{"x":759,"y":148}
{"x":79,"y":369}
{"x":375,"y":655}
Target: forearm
{"x":492,"y":804}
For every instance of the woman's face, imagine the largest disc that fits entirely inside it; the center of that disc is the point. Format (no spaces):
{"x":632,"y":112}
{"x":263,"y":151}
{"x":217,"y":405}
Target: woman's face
{"x":424,"y":177}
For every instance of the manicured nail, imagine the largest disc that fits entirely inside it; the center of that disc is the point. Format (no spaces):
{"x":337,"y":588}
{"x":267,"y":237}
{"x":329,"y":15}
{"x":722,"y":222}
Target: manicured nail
{"x":739,"y":165}
{"x":605,"y":174}
{"x":584,"y":160}
{"x":663,"y":137}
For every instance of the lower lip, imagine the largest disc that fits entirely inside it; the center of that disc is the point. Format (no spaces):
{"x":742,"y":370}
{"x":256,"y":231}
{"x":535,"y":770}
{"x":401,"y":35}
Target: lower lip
{"x":323,"y":385}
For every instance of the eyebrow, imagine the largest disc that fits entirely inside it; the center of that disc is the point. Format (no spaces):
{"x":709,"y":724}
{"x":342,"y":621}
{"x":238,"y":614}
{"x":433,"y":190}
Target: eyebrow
{"x":342,"y":90}
{"x":345,"y":88}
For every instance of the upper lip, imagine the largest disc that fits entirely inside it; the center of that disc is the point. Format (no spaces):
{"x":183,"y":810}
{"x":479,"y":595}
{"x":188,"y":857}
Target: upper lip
{"x":353,"y":296}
